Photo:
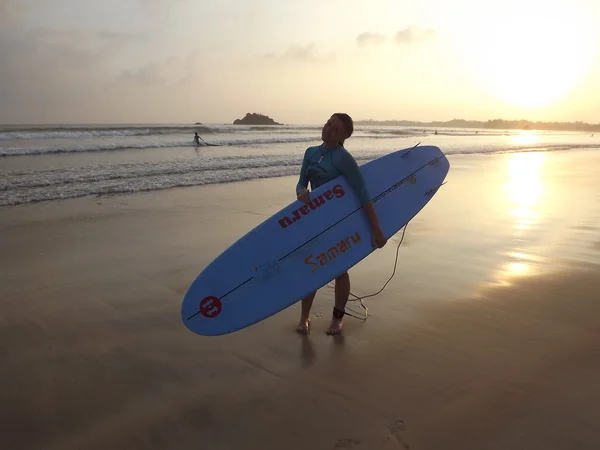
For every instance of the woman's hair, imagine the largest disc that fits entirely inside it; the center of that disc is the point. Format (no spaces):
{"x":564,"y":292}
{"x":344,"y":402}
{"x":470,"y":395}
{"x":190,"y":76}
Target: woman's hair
{"x":348,"y":124}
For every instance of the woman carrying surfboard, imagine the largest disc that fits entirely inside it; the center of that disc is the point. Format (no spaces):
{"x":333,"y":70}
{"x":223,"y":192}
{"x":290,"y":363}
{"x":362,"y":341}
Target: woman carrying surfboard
{"x":321,"y":164}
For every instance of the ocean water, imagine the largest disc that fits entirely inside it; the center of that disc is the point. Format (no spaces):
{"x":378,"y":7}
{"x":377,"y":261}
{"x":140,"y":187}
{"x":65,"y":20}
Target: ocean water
{"x":45,"y":163}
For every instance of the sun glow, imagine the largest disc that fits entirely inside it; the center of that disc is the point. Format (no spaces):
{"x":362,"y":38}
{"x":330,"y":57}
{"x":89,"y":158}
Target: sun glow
{"x":531,"y":53}
{"x":525,"y":138}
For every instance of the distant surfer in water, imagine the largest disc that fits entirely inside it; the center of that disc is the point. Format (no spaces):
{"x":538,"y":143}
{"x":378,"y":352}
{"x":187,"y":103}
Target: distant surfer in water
{"x":197,"y":139}
{"x":321,"y":164}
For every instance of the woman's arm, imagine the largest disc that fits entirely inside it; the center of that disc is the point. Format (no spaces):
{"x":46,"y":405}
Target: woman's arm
{"x":352,"y":172}
{"x":348,"y":166}
{"x":303,"y":177}
{"x":372,"y":215}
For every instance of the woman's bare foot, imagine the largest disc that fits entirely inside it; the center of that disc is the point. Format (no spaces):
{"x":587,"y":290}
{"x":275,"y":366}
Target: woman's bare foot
{"x":303,"y":327}
{"x":335,"y":327}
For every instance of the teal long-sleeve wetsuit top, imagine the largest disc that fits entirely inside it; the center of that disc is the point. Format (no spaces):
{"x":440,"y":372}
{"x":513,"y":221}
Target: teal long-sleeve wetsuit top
{"x":321,"y":165}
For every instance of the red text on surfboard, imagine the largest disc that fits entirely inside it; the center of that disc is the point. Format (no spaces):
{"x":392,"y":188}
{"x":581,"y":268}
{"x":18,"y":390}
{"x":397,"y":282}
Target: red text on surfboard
{"x":332,"y":252}
{"x":210,"y":307}
{"x":336,"y":192}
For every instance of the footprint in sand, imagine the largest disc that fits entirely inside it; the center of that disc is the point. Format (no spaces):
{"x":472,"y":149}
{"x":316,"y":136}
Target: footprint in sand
{"x":396,"y":429}
{"x":347,"y":443}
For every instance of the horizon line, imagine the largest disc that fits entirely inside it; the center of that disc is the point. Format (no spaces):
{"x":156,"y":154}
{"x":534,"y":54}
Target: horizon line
{"x":424,"y":122}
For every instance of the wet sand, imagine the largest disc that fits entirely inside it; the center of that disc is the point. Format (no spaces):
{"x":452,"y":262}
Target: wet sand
{"x":486,"y":338}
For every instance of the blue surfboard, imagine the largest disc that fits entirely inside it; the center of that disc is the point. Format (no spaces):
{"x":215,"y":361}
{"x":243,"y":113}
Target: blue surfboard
{"x":302,"y":247}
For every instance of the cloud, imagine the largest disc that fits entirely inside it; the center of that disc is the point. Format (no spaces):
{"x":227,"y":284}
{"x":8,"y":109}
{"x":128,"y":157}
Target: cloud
{"x":154,"y":6}
{"x":413,"y":34}
{"x":406,"y":36}
{"x":47,"y":72}
{"x":161,"y":14}
{"x":174,"y":71}
{"x":368,"y":38}
{"x":40,"y":59}
{"x":79,"y":43}
{"x":10,"y":12}
{"x":300,"y":53}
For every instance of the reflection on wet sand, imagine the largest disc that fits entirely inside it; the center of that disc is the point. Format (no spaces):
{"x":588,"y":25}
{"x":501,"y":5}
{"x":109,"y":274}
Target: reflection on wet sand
{"x":524,"y":189}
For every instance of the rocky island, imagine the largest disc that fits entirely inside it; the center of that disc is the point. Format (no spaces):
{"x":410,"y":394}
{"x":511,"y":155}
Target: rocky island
{"x":255,"y":119}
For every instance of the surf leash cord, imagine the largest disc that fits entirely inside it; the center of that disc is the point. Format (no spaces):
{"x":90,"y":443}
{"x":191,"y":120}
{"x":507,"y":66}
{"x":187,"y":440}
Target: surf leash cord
{"x":360,"y":299}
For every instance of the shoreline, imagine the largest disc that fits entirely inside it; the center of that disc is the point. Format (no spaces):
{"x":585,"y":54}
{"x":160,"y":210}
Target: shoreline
{"x":469,"y":158}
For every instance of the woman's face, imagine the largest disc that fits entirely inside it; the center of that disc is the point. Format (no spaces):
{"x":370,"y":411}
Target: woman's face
{"x":333,"y":131}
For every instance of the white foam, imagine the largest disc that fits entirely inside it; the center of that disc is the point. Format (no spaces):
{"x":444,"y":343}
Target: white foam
{"x":83,"y":133}
{"x":114,"y":146}
{"x":50,"y":184}
{"x":130,"y":185}
{"x":23,"y":135}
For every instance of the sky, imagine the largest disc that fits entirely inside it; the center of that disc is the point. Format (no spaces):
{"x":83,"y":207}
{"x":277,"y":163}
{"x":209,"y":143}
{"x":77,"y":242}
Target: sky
{"x":212,"y":61}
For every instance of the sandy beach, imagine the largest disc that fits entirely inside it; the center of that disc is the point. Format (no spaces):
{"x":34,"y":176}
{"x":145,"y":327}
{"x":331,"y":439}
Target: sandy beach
{"x":486,"y":338}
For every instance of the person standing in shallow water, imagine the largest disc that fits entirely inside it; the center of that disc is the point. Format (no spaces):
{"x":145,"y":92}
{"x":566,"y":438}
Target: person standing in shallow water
{"x":196,"y":139}
{"x":321,"y":164}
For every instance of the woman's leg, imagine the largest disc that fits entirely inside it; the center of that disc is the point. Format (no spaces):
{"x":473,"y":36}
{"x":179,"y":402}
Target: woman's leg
{"x":304,"y":325}
{"x":342,"y":293}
